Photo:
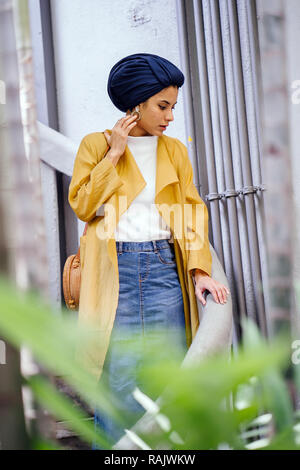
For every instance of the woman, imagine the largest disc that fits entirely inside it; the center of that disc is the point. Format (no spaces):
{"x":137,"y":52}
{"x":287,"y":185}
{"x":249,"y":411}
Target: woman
{"x":142,"y":269}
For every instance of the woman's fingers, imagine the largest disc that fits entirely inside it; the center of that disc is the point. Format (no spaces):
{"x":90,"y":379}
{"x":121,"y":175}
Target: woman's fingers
{"x":120,"y":121}
{"x":214,"y":293}
{"x":127,"y":120}
{"x":222,"y":299}
{"x":119,"y":135}
{"x":200,"y":296}
{"x":220,"y":293}
{"x":225,"y":293}
{"x":131,"y":126}
{"x":107,"y":136}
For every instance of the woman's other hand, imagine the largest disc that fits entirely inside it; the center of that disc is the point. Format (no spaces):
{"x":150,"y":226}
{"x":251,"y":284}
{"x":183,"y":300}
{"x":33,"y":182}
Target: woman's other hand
{"x":204,"y":282}
{"x":117,"y":140}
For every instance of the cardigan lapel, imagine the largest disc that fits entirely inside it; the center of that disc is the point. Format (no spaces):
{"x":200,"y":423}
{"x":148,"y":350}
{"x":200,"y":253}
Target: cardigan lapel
{"x":134,"y":182}
{"x":132,"y":177}
{"x":165,"y":171}
{"x":129,"y":172}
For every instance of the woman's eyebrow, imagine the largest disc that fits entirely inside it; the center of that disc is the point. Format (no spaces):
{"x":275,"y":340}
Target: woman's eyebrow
{"x":165,"y":101}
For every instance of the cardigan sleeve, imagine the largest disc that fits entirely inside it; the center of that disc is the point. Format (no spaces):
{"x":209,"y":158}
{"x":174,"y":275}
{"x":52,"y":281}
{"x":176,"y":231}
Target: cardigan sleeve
{"x":196,"y":220}
{"x":94,"y":178}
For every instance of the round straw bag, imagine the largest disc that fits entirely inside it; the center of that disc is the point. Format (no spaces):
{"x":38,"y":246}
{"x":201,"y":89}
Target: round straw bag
{"x":72,"y":279}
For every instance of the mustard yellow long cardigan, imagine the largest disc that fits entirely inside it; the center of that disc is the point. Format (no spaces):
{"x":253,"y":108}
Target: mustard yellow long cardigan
{"x":97,"y":182}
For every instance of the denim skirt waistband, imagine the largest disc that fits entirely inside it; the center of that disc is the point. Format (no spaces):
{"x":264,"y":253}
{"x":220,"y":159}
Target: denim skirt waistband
{"x":153,"y":245}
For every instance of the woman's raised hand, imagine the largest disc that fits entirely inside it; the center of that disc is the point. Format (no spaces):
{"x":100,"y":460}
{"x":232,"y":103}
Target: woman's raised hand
{"x":205,"y":282}
{"x":118,"y":138}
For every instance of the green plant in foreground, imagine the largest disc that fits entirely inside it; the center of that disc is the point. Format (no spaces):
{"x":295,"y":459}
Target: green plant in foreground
{"x":196,"y":399}
{"x":207,"y":406}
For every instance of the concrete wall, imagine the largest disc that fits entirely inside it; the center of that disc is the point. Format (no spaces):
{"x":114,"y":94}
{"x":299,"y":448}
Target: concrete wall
{"x":90,"y":36}
{"x":280,"y":21}
{"x":292,"y":14}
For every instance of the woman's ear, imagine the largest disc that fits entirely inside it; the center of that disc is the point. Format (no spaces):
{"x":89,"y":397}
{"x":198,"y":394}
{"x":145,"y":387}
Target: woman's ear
{"x":134,"y":110}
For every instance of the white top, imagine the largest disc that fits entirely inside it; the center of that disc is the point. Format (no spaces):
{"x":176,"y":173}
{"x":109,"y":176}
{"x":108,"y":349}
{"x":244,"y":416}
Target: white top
{"x":142,"y":221}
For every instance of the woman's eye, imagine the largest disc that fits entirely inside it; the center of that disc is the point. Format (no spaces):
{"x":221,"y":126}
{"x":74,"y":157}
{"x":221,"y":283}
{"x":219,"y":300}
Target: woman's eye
{"x":164,"y":107}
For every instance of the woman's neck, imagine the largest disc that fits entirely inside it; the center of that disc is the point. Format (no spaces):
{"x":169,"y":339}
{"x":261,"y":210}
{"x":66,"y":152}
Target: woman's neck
{"x":136,"y":132}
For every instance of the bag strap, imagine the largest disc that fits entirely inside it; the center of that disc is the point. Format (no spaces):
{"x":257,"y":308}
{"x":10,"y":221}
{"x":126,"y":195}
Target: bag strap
{"x":84,"y":232}
{"x":86,"y":225}
{"x":85,"y":228}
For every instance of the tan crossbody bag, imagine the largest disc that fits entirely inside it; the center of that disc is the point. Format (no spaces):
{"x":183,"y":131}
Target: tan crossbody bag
{"x":72,"y":274}
{"x":72,"y":278}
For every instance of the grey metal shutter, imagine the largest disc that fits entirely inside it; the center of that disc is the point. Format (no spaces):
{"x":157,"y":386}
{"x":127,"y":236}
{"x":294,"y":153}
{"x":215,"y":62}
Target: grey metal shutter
{"x":219,"y":56}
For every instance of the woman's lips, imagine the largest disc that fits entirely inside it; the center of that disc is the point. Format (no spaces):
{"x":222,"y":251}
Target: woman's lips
{"x":163,"y":127}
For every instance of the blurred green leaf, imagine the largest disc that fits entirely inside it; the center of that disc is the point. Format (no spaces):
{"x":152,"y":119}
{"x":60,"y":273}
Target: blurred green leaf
{"x":39,"y":443}
{"x":277,"y":399}
{"x":210,"y":405}
{"x":64,"y":410}
{"x":26,"y":319}
{"x":284,"y":440}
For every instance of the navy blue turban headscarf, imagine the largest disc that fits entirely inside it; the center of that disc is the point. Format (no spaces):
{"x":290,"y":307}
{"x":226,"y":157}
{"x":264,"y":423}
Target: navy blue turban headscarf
{"x":137,"y":77}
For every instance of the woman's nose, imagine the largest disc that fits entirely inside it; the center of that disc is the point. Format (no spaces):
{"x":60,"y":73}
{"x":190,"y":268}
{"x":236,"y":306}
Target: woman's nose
{"x":170,"y":116}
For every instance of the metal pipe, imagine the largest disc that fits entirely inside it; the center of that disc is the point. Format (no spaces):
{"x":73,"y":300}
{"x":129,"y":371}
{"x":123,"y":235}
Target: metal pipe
{"x":235,"y":269}
{"x":216,"y":132}
{"x":243,"y":97}
{"x":246,"y":278}
{"x":187,"y":91}
{"x":207,"y":130}
{"x":260,"y":214}
{"x":221,"y":101}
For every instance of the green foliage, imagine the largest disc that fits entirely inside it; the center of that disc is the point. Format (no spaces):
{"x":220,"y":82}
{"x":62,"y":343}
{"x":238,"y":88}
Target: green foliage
{"x":195,"y":397}
{"x":239,"y":402}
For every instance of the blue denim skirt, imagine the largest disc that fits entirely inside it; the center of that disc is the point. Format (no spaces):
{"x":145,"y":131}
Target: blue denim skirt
{"x":150,"y":307}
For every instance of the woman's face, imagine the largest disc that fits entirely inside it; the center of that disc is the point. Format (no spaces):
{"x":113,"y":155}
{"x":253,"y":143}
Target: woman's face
{"x":156,"y":113}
